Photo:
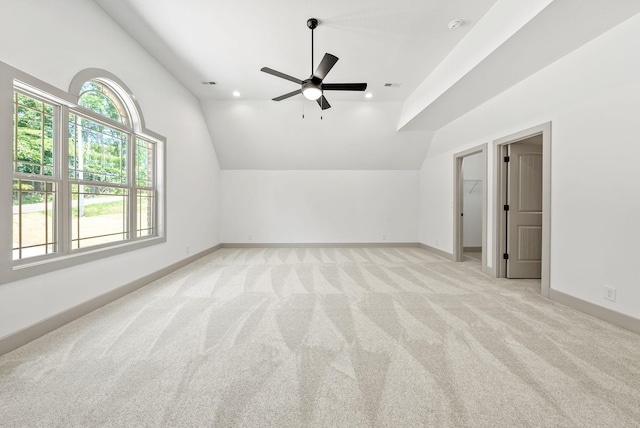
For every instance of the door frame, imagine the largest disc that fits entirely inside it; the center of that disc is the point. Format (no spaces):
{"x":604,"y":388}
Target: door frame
{"x":500,"y":198}
{"x":458,"y":194}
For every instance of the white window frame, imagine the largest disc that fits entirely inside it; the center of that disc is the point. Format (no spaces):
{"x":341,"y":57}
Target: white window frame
{"x":66,"y":103}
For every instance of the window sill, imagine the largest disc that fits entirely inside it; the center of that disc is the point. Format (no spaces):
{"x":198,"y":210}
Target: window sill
{"x":26,"y":269}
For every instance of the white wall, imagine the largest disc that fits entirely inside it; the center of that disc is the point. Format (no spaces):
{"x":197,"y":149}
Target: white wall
{"x":592,"y":98}
{"x":268,"y":135}
{"x":473,"y":176}
{"x":53,"y":40}
{"x":319,"y":206}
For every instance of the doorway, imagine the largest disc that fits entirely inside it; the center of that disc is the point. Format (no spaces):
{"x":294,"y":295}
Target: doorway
{"x":470,"y":206}
{"x":522,"y":205}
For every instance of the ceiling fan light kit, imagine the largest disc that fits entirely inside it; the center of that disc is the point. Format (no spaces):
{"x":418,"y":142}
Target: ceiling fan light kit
{"x":311,"y":91}
{"x":313,"y":88}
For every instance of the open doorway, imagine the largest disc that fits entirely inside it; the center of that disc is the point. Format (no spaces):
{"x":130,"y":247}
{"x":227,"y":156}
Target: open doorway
{"x":472,"y":193}
{"x":470,"y":207}
{"x":522,"y":205}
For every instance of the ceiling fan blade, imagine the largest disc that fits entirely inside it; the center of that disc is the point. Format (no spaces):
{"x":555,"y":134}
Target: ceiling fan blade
{"x":344,"y":86}
{"x":281,"y":75}
{"x":289,"y":95}
{"x":327,"y":63}
{"x":323,"y":103}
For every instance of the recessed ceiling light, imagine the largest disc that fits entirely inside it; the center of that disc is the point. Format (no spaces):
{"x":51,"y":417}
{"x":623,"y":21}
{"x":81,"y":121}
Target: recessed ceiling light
{"x":455,"y":24}
{"x":368,"y":95}
{"x":236,"y":93}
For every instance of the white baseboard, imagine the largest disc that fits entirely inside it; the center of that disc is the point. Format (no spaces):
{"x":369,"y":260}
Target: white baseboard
{"x":448,"y":256}
{"x":318,"y":245}
{"x":34,"y":331}
{"x":616,"y":318}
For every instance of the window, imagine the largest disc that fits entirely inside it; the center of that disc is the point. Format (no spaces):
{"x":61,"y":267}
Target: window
{"x":87,"y":177}
{"x":145,"y":189}
{"x":100,"y":183}
{"x":100,"y":99}
{"x":34,"y":180}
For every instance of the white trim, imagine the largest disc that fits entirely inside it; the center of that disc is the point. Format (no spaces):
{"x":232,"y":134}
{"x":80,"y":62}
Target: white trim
{"x":319,"y":245}
{"x":113,"y":82}
{"x":7,"y":75}
{"x":126,"y":95}
{"x":448,"y":256}
{"x":616,"y":318}
{"x":457,"y":203}
{"x":42,"y":89}
{"x":499,"y":172}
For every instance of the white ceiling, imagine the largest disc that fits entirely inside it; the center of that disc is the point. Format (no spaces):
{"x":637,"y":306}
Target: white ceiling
{"x":442,"y":73}
{"x":229,"y":41}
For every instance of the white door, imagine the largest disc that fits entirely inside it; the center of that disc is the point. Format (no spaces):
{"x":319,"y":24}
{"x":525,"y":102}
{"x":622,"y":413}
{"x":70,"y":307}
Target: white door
{"x":524,"y":209}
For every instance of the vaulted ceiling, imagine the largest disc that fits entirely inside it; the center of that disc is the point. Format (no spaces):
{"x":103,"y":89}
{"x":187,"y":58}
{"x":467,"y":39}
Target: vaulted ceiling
{"x":436,"y":74}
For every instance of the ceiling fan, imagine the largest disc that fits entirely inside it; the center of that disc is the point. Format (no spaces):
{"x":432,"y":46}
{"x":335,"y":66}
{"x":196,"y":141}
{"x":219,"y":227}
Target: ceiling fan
{"x":313,"y":88}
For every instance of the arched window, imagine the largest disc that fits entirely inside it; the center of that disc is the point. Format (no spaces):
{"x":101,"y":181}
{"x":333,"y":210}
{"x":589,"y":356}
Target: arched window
{"x":88,"y":177}
{"x":113,"y":164}
{"x":98,"y":98}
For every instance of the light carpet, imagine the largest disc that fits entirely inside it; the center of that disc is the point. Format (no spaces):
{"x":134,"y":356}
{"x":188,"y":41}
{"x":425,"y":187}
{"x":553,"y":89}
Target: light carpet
{"x":327,"y":337}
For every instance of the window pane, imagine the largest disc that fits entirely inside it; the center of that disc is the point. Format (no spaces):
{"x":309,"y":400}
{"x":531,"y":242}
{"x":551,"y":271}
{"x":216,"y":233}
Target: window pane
{"x":145,"y":155}
{"x":33,"y":136}
{"x":97,"y":152}
{"x":146,"y":213}
{"x":100,"y":99}
{"x":99,"y":215}
{"x":33,"y":218}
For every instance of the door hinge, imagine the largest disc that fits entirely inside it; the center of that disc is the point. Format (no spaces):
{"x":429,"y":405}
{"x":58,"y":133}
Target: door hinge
{"x":506,"y":207}
{"x":506,"y":158}
{"x":505,"y":256}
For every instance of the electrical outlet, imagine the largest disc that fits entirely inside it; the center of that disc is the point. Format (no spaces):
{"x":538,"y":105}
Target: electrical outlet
{"x":384,"y":237}
{"x":436,"y":242}
{"x":610,"y":293}
{"x":249,"y":237}
{"x":187,"y":249}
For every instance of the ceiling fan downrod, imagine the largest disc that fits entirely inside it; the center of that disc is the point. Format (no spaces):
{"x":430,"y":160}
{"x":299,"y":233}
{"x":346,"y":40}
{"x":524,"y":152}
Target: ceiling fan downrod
{"x":312,"y":23}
